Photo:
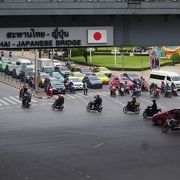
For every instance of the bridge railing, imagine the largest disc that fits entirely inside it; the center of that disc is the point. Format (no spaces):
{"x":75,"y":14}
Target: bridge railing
{"x":85,"y":1}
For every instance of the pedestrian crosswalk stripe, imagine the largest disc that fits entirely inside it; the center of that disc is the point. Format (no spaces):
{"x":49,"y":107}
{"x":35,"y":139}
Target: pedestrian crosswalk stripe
{"x":4,"y":102}
{"x":13,"y":98}
{"x":9,"y":100}
{"x":70,"y":96}
{"x":33,"y":100}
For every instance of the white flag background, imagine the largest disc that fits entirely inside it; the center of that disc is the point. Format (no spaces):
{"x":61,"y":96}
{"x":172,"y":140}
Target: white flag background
{"x":97,"y":36}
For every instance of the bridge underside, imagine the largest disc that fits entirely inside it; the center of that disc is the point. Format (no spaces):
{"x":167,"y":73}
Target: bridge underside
{"x":129,"y":30}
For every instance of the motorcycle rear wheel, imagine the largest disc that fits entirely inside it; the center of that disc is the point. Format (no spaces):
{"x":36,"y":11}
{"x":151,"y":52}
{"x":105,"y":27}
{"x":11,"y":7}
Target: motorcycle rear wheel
{"x":137,"y":110}
{"x":144,"y":115}
{"x":165,"y":127}
{"x":53,"y":107}
{"x":125,"y":109}
{"x":99,"y":109}
{"x":88,"y":108}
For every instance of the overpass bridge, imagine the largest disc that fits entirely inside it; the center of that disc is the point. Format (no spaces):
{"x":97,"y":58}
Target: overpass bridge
{"x":132,"y":22}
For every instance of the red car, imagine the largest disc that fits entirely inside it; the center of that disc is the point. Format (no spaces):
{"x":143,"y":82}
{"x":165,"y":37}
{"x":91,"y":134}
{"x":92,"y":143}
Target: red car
{"x":161,"y":117}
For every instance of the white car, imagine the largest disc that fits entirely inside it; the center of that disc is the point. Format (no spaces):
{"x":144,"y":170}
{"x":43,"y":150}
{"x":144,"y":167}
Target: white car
{"x":77,"y":83}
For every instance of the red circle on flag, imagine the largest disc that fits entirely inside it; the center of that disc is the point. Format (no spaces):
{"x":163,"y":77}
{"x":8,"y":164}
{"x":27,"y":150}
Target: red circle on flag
{"x":97,"y":36}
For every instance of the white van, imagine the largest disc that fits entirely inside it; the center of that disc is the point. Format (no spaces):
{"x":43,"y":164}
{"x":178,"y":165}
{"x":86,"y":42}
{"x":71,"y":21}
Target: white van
{"x":168,"y":77}
{"x":23,"y":61}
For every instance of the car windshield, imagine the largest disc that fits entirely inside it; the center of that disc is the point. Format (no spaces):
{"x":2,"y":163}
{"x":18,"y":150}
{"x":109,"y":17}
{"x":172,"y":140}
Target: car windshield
{"x":104,"y":69}
{"x":54,"y":82}
{"x":64,"y":69}
{"x":79,"y":75}
{"x":48,"y":69}
{"x":30,"y":73}
{"x":85,"y":70}
{"x":75,"y":79}
{"x":43,"y":76}
{"x":133,"y":75}
{"x":93,"y":78}
{"x":175,"y":78}
{"x":100,"y":75}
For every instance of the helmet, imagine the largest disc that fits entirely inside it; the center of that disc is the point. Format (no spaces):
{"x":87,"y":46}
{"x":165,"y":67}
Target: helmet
{"x":154,"y":100}
{"x":60,"y":95}
{"x":134,"y":98}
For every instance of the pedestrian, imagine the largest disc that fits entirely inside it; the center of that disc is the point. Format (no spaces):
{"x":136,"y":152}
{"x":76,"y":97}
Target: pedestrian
{"x":85,"y":88}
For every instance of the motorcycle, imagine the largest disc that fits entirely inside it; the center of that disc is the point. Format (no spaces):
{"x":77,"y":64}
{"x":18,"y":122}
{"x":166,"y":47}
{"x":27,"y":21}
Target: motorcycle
{"x":113,"y":92}
{"x":167,"y":93}
{"x":129,"y":107}
{"x":91,"y":107}
{"x":170,"y":123}
{"x":174,"y":92}
{"x":26,"y":104}
{"x":54,"y":107}
{"x":155,"y":93}
{"x":121,"y":91}
{"x":50,"y":92}
{"x":148,"y":113}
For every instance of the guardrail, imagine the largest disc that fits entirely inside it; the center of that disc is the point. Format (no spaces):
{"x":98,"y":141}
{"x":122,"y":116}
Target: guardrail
{"x":85,"y":1}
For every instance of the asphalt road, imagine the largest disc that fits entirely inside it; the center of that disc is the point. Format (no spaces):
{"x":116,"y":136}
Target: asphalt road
{"x":41,"y":144}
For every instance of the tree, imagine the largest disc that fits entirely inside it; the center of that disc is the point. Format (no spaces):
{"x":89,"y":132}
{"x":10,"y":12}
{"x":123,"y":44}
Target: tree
{"x":84,"y":52}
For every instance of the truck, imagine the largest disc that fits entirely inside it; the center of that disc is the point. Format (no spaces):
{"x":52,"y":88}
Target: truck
{"x":42,"y":63}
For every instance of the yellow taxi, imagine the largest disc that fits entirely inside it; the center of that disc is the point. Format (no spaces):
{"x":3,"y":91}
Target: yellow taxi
{"x":105,"y":71}
{"x":102,"y":77}
{"x":77,"y":75}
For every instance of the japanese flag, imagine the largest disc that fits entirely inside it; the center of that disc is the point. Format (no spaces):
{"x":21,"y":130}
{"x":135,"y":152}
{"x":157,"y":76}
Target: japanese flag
{"x":97,"y":36}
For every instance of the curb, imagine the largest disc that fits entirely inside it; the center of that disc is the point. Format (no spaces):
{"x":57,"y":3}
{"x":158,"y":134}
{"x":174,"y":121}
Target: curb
{"x":17,"y":87}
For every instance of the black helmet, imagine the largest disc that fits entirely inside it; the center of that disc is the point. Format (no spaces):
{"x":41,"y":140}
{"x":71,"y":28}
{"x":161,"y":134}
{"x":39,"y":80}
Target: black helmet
{"x":154,"y":100}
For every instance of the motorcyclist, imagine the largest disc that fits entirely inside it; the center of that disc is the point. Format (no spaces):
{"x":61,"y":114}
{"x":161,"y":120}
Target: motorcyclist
{"x":26,"y":97}
{"x":153,"y":108}
{"x":174,"y":90}
{"x":23,"y":91}
{"x":60,"y":100}
{"x":97,"y":101}
{"x":162,"y":87}
{"x":132,"y":103}
{"x":167,"y":89}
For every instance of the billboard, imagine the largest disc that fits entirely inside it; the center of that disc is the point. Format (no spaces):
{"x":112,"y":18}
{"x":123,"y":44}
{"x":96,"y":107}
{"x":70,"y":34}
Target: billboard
{"x":49,"y":37}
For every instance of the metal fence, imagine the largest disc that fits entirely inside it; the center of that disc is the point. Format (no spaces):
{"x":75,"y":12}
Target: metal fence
{"x":85,"y":1}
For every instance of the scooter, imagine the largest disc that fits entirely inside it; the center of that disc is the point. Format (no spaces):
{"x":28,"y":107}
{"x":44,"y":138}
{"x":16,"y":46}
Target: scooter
{"x":54,"y":107}
{"x":113,"y":92}
{"x":148,"y":113}
{"x":129,"y":107}
{"x":50,"y":92}
{"x":91,"y":107}
{"x":155,"y":93}
{"x":26,"y":104}
{"x":170,"y":123}
{"x":167,"y":93}
{"x":121,"y":91}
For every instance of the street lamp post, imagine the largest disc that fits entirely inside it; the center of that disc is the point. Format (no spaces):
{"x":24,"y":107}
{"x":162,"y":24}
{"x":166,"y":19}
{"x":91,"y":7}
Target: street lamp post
{"x":36,"y":68}
{"x":115,"y":56}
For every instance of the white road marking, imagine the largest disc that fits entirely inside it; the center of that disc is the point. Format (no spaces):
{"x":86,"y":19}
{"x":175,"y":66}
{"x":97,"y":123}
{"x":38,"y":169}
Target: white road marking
{"x":33,"y":100}
{"x":9,"y":100}
{"x":70,"y":96}
{"x":97,"y":145}
{"x":81,"y":99}
{"x":13,"y":98}
{"x":4,"y":102}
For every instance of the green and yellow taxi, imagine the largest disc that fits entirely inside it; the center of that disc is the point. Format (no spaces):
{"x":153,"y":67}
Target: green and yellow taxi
{"x":105,"y":71}
{"x":77,"y":75}
{"x":102,"y":77}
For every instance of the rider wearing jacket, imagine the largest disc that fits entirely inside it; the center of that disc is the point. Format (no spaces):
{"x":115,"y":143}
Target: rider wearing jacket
{"x":97,"y":100}
{"x":153,"y":107}
{"x":60,"y":100}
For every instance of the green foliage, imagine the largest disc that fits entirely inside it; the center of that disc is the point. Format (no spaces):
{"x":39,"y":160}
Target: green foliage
{"x":175,"y":58}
